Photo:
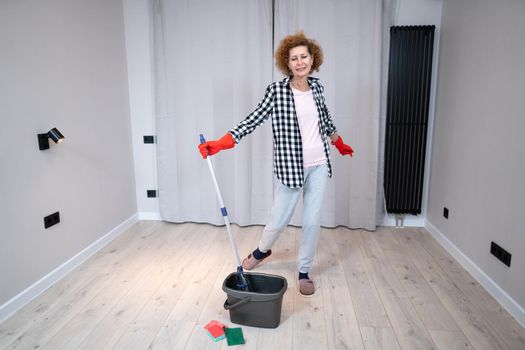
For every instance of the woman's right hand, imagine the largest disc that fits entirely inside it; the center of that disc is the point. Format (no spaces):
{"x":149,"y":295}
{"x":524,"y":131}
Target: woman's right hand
{"x":210,"y":148}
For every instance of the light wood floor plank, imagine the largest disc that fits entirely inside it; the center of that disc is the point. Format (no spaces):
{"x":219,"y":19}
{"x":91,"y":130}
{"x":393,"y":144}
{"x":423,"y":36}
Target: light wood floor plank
{"x":126,"y":305}
{"x":379,"y":338}
{"x":158,"y":284}
{"x":340,"y":318}
{"x":428,"y":306}
{"x":309,"y":328}
{"x":447,"y":340}
{"x":157,"y":307}
{"x":368,"y":306}
{"x":408,"y":327}
{"x":198,"y":287}
{"x":175,"y":335}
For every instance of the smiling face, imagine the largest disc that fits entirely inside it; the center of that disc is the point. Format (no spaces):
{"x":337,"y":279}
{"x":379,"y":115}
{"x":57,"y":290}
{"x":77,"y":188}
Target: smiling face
{"x":300,"y":61}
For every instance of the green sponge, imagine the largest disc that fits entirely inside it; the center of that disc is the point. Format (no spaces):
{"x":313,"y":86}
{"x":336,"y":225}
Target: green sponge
{"x":234,"y":336}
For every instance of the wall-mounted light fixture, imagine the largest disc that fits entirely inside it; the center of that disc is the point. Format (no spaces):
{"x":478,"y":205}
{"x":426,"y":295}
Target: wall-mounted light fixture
{"x":53,"y":134}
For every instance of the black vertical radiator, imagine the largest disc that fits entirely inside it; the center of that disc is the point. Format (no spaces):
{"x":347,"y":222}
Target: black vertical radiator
{"x":408,"y":96}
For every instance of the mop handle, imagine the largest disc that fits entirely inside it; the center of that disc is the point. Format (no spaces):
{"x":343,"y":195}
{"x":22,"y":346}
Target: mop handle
{"x":224,"y":212}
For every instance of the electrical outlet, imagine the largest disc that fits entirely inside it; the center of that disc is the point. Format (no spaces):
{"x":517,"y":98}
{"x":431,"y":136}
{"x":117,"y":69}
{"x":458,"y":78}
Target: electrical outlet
{"x":149,"y":139}
{"x":151,"y":193}
{"x":51,"y":219}
{"x":500,"y":253}
{"x":445,"y":212}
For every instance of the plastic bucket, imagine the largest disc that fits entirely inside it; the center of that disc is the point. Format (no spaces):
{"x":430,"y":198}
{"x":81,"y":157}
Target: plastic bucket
{"x":261,"y":307}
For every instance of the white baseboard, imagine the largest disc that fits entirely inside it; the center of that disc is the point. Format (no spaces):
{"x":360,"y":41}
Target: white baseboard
{"x":410,"y":221}
{"x":154,"y":216}
{"x":18,"y":301}
{"x":515,"y":309}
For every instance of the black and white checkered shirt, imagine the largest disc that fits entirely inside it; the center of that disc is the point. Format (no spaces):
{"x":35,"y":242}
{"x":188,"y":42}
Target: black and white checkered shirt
{"x":278,"y":102}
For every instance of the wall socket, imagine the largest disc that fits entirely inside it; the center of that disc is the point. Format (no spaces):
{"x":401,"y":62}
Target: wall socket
{"x":51,"y":219}
{"x":445,"y":212}
{"x":149,"y":139}
{"x":500,"y":253}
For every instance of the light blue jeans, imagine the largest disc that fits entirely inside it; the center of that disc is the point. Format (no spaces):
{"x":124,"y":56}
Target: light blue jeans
{"x":284,"y":203}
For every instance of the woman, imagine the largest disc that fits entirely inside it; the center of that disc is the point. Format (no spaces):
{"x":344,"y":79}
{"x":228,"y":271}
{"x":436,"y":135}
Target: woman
{"x":301,"y":125}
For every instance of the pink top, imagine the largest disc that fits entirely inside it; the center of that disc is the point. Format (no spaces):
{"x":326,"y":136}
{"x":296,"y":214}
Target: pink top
{"x":307,"y":116}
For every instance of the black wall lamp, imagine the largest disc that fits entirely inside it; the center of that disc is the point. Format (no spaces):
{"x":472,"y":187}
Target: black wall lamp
{"x":53,"y":134}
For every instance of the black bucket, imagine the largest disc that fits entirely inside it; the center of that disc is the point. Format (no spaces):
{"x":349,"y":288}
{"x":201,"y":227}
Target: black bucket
{"x":261,"y":306}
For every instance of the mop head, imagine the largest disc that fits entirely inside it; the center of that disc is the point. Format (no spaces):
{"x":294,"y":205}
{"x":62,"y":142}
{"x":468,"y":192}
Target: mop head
{"x":242,"y":281}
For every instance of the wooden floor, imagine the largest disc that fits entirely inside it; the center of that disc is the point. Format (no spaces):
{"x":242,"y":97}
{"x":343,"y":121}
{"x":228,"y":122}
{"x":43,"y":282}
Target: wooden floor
{"x":157,"y":285}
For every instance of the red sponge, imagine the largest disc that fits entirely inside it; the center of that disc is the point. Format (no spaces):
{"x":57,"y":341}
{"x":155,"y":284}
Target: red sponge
{"x":215,"y":328}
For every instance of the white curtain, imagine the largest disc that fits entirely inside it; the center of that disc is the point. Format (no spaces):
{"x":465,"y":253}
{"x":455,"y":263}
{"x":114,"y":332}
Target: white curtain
{"x":213,"y":60}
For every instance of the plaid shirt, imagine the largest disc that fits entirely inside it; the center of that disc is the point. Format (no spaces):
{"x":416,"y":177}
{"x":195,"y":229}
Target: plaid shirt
{"x":287,"y":143}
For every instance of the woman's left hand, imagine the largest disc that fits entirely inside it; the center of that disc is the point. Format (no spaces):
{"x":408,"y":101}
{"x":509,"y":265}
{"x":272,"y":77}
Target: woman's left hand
{"x":343,"y":148}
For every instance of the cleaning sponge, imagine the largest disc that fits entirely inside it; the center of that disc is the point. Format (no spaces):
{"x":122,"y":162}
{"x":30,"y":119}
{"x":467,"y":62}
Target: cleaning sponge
{"x":234,"y":336}
{"x":215,"y":330}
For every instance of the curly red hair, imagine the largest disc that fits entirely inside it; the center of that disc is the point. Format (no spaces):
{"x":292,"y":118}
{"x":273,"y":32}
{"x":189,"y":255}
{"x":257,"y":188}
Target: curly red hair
{"x":282,"y":54}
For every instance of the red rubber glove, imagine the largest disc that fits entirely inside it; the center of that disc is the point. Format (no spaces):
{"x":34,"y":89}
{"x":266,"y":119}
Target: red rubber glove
{"x":210,"y":148}
{"x":342,"y":147}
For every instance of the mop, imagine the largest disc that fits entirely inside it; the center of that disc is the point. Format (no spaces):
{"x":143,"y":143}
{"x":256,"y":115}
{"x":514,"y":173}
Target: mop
{"x":242,"y":282}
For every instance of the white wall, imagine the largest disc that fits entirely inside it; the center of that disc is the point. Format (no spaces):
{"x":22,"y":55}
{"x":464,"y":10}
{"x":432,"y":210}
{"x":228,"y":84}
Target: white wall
{"x":478,"y":150}
{"x":139,"y":52}
{"x":62,"y":64}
